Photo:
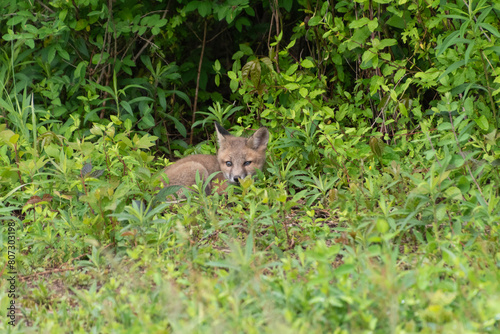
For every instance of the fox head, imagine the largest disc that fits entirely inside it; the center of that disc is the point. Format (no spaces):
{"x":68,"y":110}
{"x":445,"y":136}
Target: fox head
{"x":239,"y":156}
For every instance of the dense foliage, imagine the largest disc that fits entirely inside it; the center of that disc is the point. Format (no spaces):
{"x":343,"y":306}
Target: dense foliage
{"x":378,"y":209}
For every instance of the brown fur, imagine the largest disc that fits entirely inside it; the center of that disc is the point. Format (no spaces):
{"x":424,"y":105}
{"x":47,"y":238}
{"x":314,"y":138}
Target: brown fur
{"x":237,"y":157}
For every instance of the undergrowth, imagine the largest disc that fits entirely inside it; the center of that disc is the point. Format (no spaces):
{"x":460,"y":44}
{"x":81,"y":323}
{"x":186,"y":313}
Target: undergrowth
{"x":377,"y":210}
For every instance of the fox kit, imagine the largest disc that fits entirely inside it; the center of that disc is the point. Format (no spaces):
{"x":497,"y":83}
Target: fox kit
{"x":237,"y":157}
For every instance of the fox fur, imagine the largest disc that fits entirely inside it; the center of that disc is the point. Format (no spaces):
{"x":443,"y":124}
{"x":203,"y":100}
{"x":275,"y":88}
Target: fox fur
{"x":236,"y":158}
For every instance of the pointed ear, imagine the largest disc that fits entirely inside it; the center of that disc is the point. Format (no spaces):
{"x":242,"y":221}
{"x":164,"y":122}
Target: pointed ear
{"x":221,"y":134}
{"x":259,"y":140}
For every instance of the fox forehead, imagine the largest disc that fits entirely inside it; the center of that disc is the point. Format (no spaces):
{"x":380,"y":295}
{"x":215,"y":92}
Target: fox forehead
{"x":238,"y":153}
{"x":242,"y":155}
{"x":236,"y":149}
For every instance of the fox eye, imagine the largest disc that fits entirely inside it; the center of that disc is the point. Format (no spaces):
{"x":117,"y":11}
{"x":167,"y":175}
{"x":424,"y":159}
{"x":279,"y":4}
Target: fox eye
{"x":229,"y":163}
{"x":247,"y":163}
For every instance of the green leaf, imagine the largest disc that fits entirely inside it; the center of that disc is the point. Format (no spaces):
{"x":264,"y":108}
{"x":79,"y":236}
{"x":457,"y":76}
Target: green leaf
{"x":178,"y":125}
{"x":359,"y":23}
{"x":453,"y":193}
{"x":397,"y":21}
{"x":382,"y":225}
{"x":373,"y":24}
{"x":64,"y":54}
{"x":217,"y":65}
{"x":314,"y":21}
{"x":306,"y":63}
{"x":344,"y":269}
{"x":368,"y":55}
{"x":490,"y":28}
{"x":468,"y":51}
{"x":286,"y":4}
{"x":445,"y":126}
{"x":377,"y":146}
{"x":15,"y":20}
{"x":482,"y":122}
{"x":291,"y":70}
{"x":167,"y":191}
{"x":148,"y":121}
{"x":125,"y":105}
{"x":144,"y":142}
{"x":452,"y":68}
{"x":358,"y":38}
{"x":447,"y":42}
{"x":14,"y":139}
{"x":292,"y":86}
{"x":81,"y":24}
{"x":252,"y":71}
{"x":51,"y":53}
{"x":180,"y":94}
{"x":386,"y":42}
{"x":30,"y":42}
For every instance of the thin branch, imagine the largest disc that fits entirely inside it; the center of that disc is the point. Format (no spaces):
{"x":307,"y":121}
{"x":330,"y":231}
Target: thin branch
{"x":195,"y":104}
{"x":148,"y":41}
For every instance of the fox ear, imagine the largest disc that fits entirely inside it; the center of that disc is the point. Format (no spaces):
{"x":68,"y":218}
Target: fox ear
{"x":259,"y":140}
{"x":221,"y":134}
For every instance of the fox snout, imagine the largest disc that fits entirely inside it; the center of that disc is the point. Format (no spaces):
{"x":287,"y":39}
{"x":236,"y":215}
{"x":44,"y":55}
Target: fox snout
{"x":236,"y":178}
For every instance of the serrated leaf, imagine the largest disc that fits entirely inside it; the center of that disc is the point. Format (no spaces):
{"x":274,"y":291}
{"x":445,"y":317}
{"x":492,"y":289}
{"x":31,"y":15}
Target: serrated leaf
{"x":145,"y":142}
{"x":252,"y":71}
{"x":376,"y":146}
{"x":97,"y":173}
{"x":86,"y":169}
{"x":33,"y":200}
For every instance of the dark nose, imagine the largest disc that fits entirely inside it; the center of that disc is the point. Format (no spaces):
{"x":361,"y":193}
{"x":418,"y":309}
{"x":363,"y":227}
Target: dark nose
{"x":236,"y":179}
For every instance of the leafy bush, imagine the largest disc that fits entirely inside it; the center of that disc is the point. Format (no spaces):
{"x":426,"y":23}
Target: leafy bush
{"x":377,"y":211}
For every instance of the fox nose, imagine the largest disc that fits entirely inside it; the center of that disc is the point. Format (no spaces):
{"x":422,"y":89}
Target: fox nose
{"x":236,"y":179}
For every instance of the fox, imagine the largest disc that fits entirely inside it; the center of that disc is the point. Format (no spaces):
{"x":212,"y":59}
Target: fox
{"x":237,"y":157}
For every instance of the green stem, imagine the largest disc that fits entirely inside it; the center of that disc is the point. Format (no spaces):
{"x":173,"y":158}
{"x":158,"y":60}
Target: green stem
{"x":492,"y":102}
